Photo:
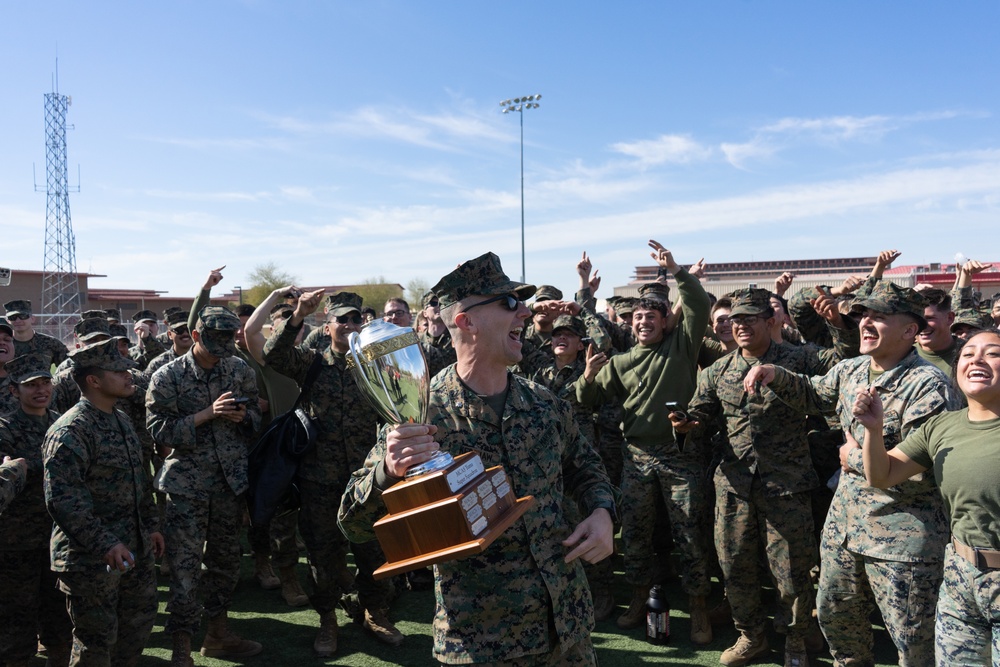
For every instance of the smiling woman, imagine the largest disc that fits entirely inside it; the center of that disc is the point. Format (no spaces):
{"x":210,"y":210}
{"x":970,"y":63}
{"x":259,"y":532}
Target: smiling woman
{"x":963,"y":450}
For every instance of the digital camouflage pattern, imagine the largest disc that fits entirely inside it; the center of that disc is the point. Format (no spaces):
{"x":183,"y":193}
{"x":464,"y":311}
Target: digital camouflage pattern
{"x":967,"y":614}
{"x":501,"y":604}
{"x":887,"y":297}
{"x":482,"y":276}
{"x":53,"y":350}
{"x":8,"y":402}
{"x":145,"y":351}
{"x":11,"y":483}
{"x":439,"y":351}
{"x":867,"y":527}
{"x":31,"y":605}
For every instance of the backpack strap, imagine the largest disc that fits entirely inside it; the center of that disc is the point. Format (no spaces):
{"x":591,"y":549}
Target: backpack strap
{"x":311,"y":375}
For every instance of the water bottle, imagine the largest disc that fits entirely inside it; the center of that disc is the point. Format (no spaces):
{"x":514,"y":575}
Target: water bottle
{"x":657,"y":617}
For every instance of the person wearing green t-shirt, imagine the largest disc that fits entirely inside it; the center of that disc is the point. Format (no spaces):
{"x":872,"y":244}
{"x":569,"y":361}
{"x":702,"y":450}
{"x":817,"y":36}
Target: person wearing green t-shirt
{"x":962,"y":448}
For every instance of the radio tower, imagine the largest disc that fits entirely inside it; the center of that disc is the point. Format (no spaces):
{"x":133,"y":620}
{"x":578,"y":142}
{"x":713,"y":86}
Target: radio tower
{"x":60,"y":289}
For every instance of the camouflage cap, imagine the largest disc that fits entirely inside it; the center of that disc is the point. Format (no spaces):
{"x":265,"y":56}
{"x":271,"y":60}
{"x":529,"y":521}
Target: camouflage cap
{"x":118,"y":330}
{"x":280,"y":309}
{"x":170,"y":310}
{"x":548,"y":293}
{"x":143,"y":316}
{"x":113,"y":314}
{"x":217,"y":328}
{"x":93,"y":314}
{"x":18,"y":307}
{"x":177,"y":319}
{"x":481,"y":276}
{"x":103,"y":355}
{"x":5,"y":325}
{"x":571,"y":322}
{"x":426,"y":299}
{"x":91,"y":327}
{"x":889,"y":298}
{"x":751,"y":301}
{"x":657,"y":290}
{"x":28,"y":367}
{"x":342,"y":303}
{"x":970,"y":317}
{"x":625,"y":305}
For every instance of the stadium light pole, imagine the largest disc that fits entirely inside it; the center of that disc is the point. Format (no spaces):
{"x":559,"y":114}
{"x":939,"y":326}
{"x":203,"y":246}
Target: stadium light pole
{"x":520,"y":105}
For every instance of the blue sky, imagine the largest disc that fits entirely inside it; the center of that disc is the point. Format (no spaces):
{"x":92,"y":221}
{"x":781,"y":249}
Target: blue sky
{"x":346,"y":140}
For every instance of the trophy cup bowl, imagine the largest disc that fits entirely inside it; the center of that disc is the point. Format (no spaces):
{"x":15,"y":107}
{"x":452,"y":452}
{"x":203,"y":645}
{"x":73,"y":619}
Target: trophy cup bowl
{"x":448,"y":507}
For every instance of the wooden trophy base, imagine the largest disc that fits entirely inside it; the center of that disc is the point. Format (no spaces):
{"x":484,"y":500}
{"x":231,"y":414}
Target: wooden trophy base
{"x":447,"y":514}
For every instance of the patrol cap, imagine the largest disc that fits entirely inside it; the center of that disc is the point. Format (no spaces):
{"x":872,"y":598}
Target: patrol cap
{"x":103,"y":355}
{"x":971,"y":317}
{"x":144,"y":316}
{"x":28,"y":367}
{"x":217,"y":327}
{"x":751,"y":301}
{"x":480,"y":276}
{"x":625,"y":305}
{"x":169,"y":310}
{"x":93,"y":314}
{"x":89,"y":328}
{"x":426,"y":299}
{"x":655,"y":290}
{"x":548,"y":293}
{"x":18,"y":307}
{"x":118,"y":330}
{"x":571,"y":322}
{"x":113,"y":314}
{"x":342,"y":303}
{"x":283,"y":310}
{"x":177,"y":319}
{"x":889,"y":298}
{"x":5,"y":326}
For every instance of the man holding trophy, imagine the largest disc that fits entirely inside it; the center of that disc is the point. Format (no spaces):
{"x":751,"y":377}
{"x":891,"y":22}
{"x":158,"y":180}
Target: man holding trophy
{"x":524,"y":600}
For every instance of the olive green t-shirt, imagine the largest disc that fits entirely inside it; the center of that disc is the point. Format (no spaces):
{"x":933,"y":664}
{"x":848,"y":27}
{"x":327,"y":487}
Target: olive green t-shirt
{"x":965,"y":457}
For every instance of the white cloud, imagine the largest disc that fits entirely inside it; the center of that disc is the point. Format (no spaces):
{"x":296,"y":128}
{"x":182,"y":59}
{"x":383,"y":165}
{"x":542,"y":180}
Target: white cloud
{"x":667,"y":148}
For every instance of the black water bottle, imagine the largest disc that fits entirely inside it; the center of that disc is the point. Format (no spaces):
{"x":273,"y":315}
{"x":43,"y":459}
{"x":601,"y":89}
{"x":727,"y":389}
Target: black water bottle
{"x":657,"y":617}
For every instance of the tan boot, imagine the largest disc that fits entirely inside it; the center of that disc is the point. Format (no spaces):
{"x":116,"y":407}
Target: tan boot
{"x":291,"y":589}
{"x":181,"y":657}
{"x":635,"y":615}
{"x":264,"y":573}
{"x":221,"y":642}
{"x":701,"y":627}
{"x":746,"y":648}
{"x":325,"y":644}
{"x":378,"y":624}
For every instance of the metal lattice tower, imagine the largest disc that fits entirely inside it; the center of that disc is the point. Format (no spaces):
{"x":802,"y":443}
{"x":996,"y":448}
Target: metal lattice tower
{"x":60,"y":289}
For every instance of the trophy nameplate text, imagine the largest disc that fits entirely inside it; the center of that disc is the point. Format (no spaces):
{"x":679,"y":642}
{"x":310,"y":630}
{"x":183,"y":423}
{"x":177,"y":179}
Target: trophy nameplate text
{"x":449,"y":507}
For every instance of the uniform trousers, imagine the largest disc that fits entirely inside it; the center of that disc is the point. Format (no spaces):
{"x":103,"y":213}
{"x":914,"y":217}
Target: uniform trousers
{"x":32,"y":607}
{"x":968,"y":615}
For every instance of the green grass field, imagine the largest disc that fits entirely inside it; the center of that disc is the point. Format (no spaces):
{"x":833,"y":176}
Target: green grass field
{"x":287,"y":634}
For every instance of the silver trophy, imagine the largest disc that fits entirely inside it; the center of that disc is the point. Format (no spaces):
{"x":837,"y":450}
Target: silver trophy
{"x":390,"y":369}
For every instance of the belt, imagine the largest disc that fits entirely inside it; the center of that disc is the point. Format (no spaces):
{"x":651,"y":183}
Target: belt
{"x":984,"y":559}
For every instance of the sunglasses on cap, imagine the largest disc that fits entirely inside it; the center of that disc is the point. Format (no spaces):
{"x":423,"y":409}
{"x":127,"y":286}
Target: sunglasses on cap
{"x":433,"y":303}
{"x":18,"y":316}
{"x":508,"y":301}
{"x":344,"y":319}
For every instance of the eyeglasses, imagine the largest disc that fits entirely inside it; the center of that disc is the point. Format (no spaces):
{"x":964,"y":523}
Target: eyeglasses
{"x":344,"y":319}
{"x":744,"y":320}
{"x":18,"y":316}
{"x":396,"y":313}
{"x":508,"y":301}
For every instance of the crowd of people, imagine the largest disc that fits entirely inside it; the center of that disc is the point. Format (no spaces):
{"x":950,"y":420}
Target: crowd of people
{"x":833,"y":442}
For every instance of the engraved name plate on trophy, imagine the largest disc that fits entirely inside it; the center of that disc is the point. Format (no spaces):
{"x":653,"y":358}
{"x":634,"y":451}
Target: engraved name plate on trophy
{"x":448,"y":507}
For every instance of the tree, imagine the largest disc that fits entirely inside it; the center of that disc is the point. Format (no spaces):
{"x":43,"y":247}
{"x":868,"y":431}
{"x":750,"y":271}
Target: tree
{"x":415,"y":290}
{"x":374,"y":292}
{"x":264,"y":279}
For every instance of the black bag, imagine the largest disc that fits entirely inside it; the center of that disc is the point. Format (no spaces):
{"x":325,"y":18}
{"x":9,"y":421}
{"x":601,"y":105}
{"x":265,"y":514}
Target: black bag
{"x":273,"y":460}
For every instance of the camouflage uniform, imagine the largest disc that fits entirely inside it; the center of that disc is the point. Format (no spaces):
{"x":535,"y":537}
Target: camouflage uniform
{"x":11,"y":482}
{"x":146,"y":349}
{"x":8,"y":403}
{"x":882,"y":546}
{"x":643,"y":379}
{"x":99,"y":495}
{"x":51,"y":348}
{"x":518,"y":599}
{"x":346,"y":425}
{"x":763,"y":481}
{"x":31,"y":607}
{"x":205,"y":475}
{"x":439,"y":350}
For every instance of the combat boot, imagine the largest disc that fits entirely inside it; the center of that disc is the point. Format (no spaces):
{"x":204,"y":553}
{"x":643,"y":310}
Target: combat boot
{"x":604,"y":602}
{"x":291,"y":589}
{"x":701,"y":627}
{"x":795,"y":653}
{"x":377,"y":623}
{"x":635,"y":615}
{"x":265,"y":573}
{"x":181,"y":657}
{"x":746,"y":648}
{"x":221,"y":642}
{"x":325,"y":644}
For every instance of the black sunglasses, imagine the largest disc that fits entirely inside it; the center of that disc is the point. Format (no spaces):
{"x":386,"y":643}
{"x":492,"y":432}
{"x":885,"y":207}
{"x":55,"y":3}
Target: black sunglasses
{"x":433,"y":303}
{"x":18,"y":316}
{"x":508,"y":301}
{"x":344,"y":319}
